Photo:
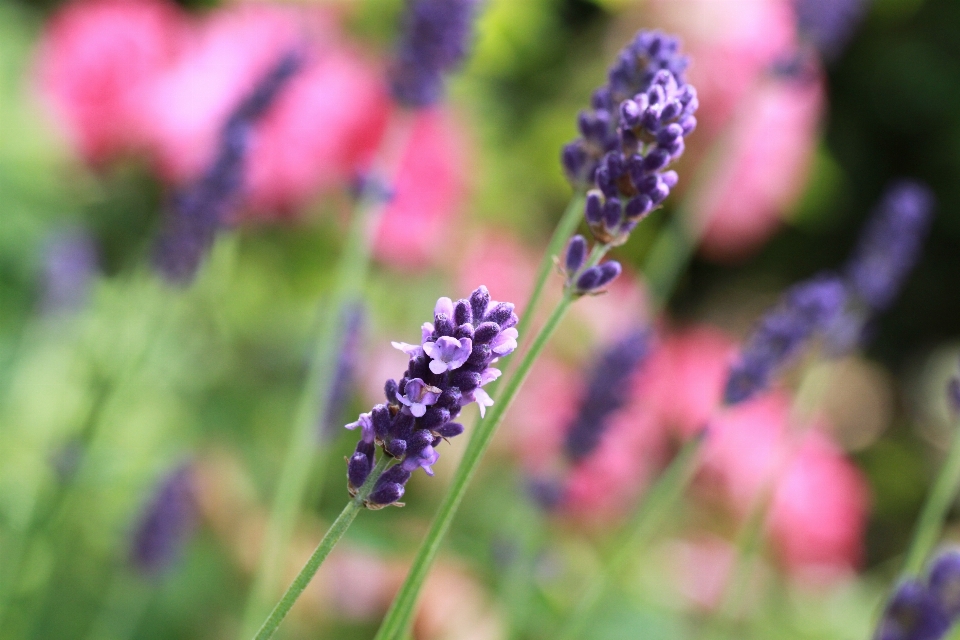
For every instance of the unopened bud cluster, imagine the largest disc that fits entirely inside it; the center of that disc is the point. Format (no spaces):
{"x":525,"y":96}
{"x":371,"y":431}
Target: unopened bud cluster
{"x":634,"y":132}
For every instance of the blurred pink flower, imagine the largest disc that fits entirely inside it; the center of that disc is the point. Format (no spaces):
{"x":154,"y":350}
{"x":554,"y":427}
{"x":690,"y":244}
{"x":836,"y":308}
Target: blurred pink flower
{"x":95,"y":58}
{"x":699,"y":568}
{"x":682,"y":382}
{"x":764,"y":169}
{"x":607,"y":483}
{"x":818,"y":514}
{"x":429,"y":189}
{"x":330,"y":116}
{"x":745,"y":444}
{"x":730,"y":46}
{"x":498,"y":260}
{"x":539,"y":415}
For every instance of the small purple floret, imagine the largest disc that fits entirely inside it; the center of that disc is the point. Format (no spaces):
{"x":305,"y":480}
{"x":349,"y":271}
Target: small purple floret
{"x":447,"y":353}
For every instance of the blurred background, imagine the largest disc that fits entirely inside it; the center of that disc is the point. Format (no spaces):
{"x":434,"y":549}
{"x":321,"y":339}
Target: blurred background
{"x":144,"y":419}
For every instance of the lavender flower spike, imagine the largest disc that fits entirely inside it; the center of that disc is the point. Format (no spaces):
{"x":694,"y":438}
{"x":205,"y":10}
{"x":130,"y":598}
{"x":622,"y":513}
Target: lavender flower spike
{"x":166,"y":522}
{"x":804,"y":310}
{"x":607,"y":391}
{"x":198,"y":211}
{"x":434,"y":43}
{"x":343,"y":377}
{"x":890,"y":244}
{"x":445,"y":373}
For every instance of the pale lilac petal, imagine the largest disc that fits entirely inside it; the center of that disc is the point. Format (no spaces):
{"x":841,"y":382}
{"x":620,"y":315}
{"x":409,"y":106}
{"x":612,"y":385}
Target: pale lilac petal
{"x":365,"y":422}
{"x":426,"y":331}
{"x":505,"y":343}
{"x":483,"y":400}
{"x":461,"y":353}
{"x":418,"y":409}
{"x":438,"y":366}
{"x":489,"y":375}
{"x":412,"y":350}
{"x":430,"y":395}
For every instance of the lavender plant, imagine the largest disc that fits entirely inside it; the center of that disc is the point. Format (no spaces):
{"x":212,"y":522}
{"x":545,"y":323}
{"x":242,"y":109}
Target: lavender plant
{"x":446,"y":372}
{"x":654,"y":109}
{"x":352,"y":323}
{"x":434,"y":41}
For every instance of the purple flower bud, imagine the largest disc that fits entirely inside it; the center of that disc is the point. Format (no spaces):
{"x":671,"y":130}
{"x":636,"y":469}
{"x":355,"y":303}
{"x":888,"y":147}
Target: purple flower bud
{"x":358,"y":470}
{"x":384,"y":495}
{"x":576,"y":254}
{"x":462,"y":313}
{"x":500,"y":313}
{"x":597,"y":277}
{"x":593,"y":210}
{"x":612,"y":213}
{"x":390,"y":390}
{"x":638,"y":207}
{"x":479,"y":301}
{"x":450,"y":430}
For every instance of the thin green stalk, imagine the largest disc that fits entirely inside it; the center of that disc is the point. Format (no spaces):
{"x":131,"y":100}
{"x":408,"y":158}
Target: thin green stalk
{"x":658,"y":501}
{"x":330,"y":539}
{"x":351,"y":273}
{"x":935,"y":510}
{"x":398,"y":617}
{"x":567,"y":224}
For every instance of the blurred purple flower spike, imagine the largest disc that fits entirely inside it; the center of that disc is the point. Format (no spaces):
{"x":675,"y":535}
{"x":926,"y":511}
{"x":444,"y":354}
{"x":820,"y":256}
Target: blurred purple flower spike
{"x":436,"y":36}
{"x":890,"y":244}
{"x":69,"y":266}
{"x":198,"y":211}
{"x":445,"y":373}
{"x":165,"y":524}
{"x":828,"y":24}
{"x":913,"y":613}
{"x":805,"y":309}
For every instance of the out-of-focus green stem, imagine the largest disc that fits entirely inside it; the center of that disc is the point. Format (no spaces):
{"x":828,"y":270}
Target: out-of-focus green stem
{"x":568,"y":223}
{"x":401,"y":611}
{"x":351,"y":273}
{"x":935,"y":509}
{"x":329,"y":541}
{"x":658,"y":501}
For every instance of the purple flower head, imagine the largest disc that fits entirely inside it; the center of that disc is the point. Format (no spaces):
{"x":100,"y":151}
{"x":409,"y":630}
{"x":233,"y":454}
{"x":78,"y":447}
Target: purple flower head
{"x":913,"y":613}
{"x":447,"y":353}
{"x":828,"y":24}
{"x":944,"y":581}
{"x":805,"y":309}
{"x":446,"y":372}
{"x":651,"y":98}
{"x":196,"y":212}
{"x":165,"y":524}
{"x":345,"y":372}
{"x":890,"y":244}
{"x":607,"y":389}
{"x":434,"y":42}
{"x":69,"y":266}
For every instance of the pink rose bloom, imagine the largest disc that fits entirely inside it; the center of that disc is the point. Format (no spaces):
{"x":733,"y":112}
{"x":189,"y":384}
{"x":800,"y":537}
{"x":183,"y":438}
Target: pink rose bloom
{"x":323,"y":126}
{"x":744,"y":448}
{"x":764,"y":169}
{"x":683,"y":380}
{"x":428,"y":192}
{"x":818,"y":514}
{"x":95,"y":58}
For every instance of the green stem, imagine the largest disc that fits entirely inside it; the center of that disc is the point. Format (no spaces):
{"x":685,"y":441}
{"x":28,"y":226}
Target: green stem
{"x":330,"y":539}
{"x":398,"y":617}
{"x":935,"y":510}
{"x":658,"y":501}
{"x":351,"y":273}
{"x":568,"y":223}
